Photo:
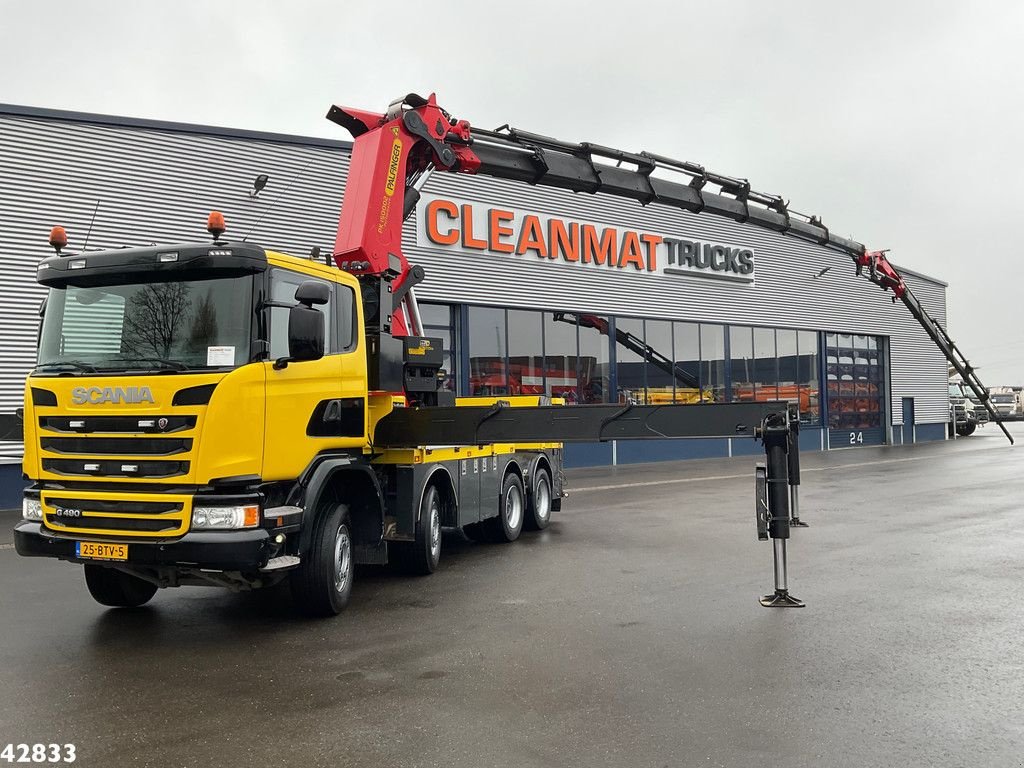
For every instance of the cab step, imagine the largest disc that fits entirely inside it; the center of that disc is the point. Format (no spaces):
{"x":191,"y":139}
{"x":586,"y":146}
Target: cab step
{"x":280,"y":563}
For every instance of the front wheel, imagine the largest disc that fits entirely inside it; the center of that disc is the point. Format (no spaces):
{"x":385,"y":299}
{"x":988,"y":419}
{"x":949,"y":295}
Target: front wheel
{"x":322,"y":585}
{"x":117,"y":588}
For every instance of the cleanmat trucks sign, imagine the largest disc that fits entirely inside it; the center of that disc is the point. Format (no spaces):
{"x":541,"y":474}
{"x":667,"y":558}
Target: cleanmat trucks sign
{"x":471,"y":227}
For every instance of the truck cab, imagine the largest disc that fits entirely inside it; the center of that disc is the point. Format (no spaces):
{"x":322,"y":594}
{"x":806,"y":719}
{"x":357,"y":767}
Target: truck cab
{"x":202,"y":414}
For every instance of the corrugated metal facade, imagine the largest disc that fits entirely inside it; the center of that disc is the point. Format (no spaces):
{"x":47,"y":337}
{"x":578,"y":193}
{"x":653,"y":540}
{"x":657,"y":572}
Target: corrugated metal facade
{"x":157,"y":183}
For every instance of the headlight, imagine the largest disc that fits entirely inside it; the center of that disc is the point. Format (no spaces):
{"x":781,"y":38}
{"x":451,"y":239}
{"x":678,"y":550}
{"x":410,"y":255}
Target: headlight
{"x":225,"y":518}
{"x":31,"y":509}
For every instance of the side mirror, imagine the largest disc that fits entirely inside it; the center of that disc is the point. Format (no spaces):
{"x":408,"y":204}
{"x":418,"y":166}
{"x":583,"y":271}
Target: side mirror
{"x":312,"y":292}
{"x":305,"y":333}
{"x":306,"y":326}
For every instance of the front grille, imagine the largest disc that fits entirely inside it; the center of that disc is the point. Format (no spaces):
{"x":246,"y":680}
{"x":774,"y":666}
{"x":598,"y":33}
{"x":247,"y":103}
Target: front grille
{"x":116,"y":506}
{"x":120,"y":515}
{"x":120,"y":446}
{"x":136,"y":424}
{"x":115,"y":467}
{"x":152,"y":525}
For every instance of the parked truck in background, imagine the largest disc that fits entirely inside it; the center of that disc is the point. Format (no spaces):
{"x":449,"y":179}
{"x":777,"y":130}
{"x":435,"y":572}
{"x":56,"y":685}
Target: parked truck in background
{"x":1006,"y":402}
{"x":964,"y":416}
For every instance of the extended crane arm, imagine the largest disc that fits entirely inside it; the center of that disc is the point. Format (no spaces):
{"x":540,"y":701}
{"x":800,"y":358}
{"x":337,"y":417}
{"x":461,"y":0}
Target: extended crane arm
{"x":394,"y":153}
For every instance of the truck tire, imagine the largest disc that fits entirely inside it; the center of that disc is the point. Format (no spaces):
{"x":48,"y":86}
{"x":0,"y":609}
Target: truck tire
{"x":966,"y":430}
{"x":420,"y":557}
{"x":117,"y":589}
{"x":507,"y":526}
{"x":322,"y":585}
{"x":538,"y":513}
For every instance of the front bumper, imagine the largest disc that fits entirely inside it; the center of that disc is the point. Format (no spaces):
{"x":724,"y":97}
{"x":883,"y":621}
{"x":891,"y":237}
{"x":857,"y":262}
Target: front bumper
{"x":244,"y":550}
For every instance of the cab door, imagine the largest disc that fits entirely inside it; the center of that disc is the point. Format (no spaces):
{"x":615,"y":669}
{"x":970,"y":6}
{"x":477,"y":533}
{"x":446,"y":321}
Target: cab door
{"x":314,"y":405}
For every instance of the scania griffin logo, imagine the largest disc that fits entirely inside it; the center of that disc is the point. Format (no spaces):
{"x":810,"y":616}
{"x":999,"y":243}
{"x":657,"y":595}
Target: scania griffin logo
{"x":96,"y":395}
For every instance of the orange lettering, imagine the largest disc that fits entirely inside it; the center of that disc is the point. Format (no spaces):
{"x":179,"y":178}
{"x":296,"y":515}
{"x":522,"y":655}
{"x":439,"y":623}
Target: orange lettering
{"x":599,"y":252}
{"x":531,"y":237}
{"x":468,"y":240}
{"x":630,"y":254}
{"x":652,"y":241}
{"x":567,"y":243}
{"x":495,"y":230}
{"x":449,"y":209}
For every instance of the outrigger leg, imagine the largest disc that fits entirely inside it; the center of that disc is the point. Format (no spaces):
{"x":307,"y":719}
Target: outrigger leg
{"x":773,"y":511}
{"x":794,"y":468}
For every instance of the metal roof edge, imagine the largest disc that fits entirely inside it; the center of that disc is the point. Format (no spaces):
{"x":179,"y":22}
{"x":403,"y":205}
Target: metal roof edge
{"x":45,"y":113}
{"x":922,"y":275}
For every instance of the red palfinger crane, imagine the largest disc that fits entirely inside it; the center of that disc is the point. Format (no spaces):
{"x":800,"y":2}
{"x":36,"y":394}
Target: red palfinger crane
{"x":394,"y":153}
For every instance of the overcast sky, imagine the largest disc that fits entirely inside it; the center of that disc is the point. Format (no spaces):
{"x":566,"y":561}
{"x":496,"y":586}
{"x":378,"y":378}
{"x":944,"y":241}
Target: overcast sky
{"x":900,"y":123}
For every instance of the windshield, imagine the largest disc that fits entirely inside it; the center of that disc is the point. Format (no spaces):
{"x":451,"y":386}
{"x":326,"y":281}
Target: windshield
{"x":1003,"y":398}
{"x":186,"y":325}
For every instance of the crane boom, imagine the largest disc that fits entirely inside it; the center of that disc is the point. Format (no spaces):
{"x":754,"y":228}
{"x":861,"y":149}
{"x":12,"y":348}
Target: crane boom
{"x":394,"y":152}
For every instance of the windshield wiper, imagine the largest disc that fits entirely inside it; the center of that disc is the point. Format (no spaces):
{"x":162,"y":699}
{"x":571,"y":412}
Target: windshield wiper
{"x":78,"y":365}
{"x":174,"y":364}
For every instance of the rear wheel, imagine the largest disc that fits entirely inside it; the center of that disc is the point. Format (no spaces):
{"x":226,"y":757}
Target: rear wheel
{"x":538,"y":515}
{"x":507,"y":526}
{"x":117,"y":588}
{"x":322,"y":585}
{"x":422,"y":556}
{"x":967,"y":429}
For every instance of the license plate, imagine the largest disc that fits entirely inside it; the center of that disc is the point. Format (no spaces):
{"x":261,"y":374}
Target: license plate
{"x":89,"y":550}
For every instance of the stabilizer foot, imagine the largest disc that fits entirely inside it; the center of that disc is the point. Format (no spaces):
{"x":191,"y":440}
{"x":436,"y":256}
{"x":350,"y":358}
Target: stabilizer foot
{"x":796,"y":522}
{"x":781,"y":599}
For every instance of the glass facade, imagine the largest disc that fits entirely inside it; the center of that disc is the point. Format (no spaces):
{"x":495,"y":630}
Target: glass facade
{"x":441,"y":321}
{"x":855,"y":381}
{"x":588,"y":358}
{"x":488,"y":363}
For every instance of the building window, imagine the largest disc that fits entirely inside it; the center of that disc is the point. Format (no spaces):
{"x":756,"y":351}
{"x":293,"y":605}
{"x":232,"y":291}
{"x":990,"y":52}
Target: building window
{"x":526,"y":374}
{"x":439,"y":322}
{"x":630,"y":360}
{"x":687,"y":354}
{"x":488,"y":371}
{"x":766,"y":365}
{"x":853,"y":369}
{"x":712,"y":360}
{"x":665,"y":380}
{"x":807,"y":377}
{"x":647,"y":371}
{"x":560,"y":356}
{"x":741,"y":363}
{"x":592,"y":365}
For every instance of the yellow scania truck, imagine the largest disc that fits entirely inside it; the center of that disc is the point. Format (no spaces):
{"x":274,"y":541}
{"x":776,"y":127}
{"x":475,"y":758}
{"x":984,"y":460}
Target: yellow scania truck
{"x":202,"y":414}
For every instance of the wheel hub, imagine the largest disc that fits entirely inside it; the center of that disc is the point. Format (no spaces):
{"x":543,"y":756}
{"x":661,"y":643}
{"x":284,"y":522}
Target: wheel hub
{"x":513,"y":508}
{"x":342,"y":559}
{"x":435,"y":530}
{"x":543,"y":500}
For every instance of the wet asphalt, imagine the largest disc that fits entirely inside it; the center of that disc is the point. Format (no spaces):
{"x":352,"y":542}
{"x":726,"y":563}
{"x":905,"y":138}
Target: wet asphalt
{"x":628,"y":634}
